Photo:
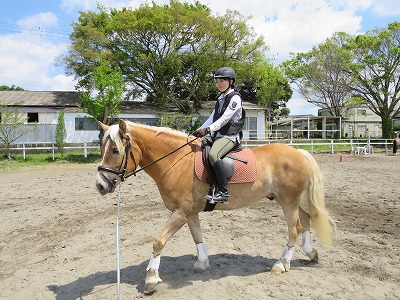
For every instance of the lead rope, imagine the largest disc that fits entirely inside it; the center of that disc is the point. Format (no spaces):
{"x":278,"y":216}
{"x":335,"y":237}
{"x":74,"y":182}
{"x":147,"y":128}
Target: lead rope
{"x":117,"y":234}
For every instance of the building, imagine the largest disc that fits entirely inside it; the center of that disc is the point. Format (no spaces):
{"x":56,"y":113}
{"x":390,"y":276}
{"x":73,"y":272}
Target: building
{"x":358,"y":122}
{"x":41,"y":109}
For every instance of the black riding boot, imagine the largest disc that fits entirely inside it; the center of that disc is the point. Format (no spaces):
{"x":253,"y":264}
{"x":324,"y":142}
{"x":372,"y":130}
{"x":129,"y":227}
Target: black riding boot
{"x":222,"y":182}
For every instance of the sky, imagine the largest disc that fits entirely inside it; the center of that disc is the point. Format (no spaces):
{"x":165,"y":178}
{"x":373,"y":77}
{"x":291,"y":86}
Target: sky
{"x":33,"y":33}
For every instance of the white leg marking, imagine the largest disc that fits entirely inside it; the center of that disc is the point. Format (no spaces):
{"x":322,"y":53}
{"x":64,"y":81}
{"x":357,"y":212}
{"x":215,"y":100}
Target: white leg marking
{"x":154,"y":263}
{"x":306,"y":241}
{"x":202,"y":262}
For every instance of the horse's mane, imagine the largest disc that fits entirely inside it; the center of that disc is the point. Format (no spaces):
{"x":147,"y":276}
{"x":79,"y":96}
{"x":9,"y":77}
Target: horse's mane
{"x":113,"y":133}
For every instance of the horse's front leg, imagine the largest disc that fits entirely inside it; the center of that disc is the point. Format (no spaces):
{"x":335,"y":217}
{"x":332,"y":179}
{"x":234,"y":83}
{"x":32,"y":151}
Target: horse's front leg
{"x":202,"y":262}
{"x":175,"y":222}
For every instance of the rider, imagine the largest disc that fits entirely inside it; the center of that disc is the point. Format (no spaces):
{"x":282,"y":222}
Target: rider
{"x":225,"y":127}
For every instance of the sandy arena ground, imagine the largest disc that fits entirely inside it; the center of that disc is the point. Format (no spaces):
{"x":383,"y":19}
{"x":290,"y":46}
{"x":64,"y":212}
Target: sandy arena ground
{"x":57,"y":239}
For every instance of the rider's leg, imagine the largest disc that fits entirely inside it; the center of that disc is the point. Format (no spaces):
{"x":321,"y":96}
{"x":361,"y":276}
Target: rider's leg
{"x":220,"y":148}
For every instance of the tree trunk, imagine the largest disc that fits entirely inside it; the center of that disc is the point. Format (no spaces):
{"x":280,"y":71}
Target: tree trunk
{"x":386,"y":127}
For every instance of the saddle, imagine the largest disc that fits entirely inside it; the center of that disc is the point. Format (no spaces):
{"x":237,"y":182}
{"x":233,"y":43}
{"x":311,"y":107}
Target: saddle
{"x":240,"y":164}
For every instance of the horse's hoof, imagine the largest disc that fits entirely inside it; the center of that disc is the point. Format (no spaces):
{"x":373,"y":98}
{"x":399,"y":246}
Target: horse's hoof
{"x":151,"y":281}
{"x":313,"y":255}
{"x":280,"y":267}
{"x":201,"y":266}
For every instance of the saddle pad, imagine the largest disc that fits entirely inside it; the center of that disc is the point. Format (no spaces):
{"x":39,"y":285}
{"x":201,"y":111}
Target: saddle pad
{"x":244,"y":172}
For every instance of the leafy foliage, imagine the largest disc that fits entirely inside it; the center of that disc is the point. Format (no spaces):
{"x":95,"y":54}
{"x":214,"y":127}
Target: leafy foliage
{"x":61,"y":133}
{"x":166,"y":53}
{"x":348,"y":70}
{"x":11,"y":126}
{"x":103,"y":97}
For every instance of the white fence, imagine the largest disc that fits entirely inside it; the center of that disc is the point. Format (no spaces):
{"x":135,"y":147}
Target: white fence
{"x":52,"y":147}
{"x":351,"y":145}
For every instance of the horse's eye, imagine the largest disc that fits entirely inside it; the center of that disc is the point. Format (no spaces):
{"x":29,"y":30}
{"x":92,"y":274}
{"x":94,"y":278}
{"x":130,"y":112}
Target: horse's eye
{"x":115,"y":151}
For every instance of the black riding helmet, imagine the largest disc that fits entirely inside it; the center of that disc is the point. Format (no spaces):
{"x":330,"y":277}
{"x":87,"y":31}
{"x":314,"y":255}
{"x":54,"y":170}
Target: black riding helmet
{"x":225,"y":72}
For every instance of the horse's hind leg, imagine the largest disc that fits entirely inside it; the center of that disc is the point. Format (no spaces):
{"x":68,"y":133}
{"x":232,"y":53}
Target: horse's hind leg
{"x":306,"y":235}
{"x":202,"y":262}
{"x":294,"y":228}
{"x":175,"y":222}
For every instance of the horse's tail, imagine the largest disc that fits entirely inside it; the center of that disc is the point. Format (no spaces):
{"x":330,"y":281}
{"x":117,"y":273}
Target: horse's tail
{"x":394,"y":146}
{"x":320,"y":218}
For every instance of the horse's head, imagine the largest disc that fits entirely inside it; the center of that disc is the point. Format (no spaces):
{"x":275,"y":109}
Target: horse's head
{"x":120,"y":157}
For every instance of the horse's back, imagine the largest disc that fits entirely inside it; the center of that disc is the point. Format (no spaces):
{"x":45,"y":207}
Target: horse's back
{"x":283,"y":162}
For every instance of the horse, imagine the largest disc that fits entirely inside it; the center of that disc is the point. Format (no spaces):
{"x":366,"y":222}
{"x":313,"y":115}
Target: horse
{"x":284,"y":174}
{"x":396,"y":145}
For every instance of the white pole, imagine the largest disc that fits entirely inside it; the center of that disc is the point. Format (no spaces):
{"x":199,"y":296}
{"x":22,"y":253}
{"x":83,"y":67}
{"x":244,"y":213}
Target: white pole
{"x":85,"y":150}
{"x":117,"y":234}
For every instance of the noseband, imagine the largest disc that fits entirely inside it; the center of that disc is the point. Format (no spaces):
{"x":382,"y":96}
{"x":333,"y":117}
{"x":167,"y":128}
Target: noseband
{"x":119,"y":173}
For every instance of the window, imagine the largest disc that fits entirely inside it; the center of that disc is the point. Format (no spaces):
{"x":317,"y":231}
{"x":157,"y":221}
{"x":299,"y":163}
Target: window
{"x":85,"y":124}
{"x":361,"y":112}
{"x":33,"y":117}
{"x":250,"y":125}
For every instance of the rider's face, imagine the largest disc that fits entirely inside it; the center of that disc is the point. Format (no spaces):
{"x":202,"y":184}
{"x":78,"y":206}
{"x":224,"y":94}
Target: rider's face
{"x":222,"y":84}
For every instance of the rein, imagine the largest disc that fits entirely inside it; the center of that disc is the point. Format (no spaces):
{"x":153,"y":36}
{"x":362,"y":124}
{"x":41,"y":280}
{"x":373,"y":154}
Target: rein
{"x":122,"y":175}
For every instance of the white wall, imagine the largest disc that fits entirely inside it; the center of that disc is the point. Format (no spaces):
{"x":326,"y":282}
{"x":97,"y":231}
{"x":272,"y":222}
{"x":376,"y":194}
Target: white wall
{"x":78,"y":136}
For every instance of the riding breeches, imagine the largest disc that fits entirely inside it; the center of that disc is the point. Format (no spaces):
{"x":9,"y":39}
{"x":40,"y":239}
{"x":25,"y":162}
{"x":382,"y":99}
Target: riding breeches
{"x":219,"y":149}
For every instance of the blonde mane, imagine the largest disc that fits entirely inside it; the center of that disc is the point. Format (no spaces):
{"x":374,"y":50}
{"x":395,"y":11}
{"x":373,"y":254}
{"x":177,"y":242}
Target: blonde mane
{"x":113,"y":133}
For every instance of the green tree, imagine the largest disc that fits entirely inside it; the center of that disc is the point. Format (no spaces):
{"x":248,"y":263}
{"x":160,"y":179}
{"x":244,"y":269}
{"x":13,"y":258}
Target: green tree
{"x":375,"y":72}
{"x":319,"y":75}
{"x":11,"y":126}
{"x":268,"y":87}
{"x":61,"y":133}
{"x":102,"y":99}
{"x":167,"y":52}
{"x":181,"y":121}
{"x":10,"y":88}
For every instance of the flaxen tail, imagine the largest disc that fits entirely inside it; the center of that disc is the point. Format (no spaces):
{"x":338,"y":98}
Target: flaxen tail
{"x":322,"y":222}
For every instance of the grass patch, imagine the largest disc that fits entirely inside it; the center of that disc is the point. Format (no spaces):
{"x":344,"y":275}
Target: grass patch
{"x":42,"y":159}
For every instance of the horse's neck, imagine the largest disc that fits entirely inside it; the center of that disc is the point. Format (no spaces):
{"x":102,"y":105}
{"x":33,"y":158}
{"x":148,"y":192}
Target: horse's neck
{"x":154,"y":145}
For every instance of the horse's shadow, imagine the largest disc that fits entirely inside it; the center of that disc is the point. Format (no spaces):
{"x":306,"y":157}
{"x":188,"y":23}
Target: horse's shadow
{"x":176,"y":272}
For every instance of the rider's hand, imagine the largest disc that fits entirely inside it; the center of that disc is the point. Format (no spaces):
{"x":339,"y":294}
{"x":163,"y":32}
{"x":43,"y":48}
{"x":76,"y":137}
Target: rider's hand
{"x":200,"y":132}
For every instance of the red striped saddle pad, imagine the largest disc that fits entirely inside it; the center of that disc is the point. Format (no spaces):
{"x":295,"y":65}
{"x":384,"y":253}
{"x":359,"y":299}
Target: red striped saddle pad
{"x":244,"y":172}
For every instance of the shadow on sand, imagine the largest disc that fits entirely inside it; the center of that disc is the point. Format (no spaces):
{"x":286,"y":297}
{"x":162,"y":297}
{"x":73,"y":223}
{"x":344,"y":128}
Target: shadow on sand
{"x":221,"y":265}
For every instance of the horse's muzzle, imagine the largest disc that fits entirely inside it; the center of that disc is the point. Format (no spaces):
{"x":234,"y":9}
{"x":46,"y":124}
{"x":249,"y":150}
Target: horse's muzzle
{"x":104,"y":185}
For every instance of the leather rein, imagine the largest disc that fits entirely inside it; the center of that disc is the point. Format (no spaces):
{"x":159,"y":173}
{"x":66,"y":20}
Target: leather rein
{"x":128,"y":151}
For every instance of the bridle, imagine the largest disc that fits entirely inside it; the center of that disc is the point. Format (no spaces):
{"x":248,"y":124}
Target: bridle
{"x":121,"y":173}
{"x":128,"y":151}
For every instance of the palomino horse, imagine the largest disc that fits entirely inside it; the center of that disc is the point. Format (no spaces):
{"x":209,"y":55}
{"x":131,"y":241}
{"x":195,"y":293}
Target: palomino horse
{"x":284,"y":174}
{"x":396,"y":145}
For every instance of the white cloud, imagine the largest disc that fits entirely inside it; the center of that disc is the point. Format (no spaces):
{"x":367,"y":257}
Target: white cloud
{"x":27,"y":58}
{"x":71,"y":5}
{"x":46,"y":19}
{"x":296,"y":26}
{"x":387,"y":8}
{"x":299,"y":106}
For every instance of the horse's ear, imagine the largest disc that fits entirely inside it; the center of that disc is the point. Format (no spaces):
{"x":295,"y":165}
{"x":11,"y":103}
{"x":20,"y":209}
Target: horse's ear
{"x":122,"y":127}
{"x":104,"y":126}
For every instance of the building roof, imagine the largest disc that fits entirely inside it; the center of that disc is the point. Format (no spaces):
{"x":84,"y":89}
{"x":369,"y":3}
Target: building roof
{"x":71,"y":100}
{"x":40,"y":99}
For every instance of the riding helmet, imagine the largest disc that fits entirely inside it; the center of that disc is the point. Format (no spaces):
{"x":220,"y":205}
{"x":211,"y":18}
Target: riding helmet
{"x":225,"y":72}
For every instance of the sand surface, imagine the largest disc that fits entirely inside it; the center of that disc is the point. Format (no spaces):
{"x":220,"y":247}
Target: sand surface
{"x":57,"y":239}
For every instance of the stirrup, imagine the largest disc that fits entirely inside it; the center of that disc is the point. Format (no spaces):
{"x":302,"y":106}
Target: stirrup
{"x":220,"y":197}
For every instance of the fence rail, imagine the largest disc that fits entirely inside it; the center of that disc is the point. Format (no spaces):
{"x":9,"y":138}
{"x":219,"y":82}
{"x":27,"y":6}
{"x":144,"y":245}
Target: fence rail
{"x":52,"y":147}
{"x":352,"y":145}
